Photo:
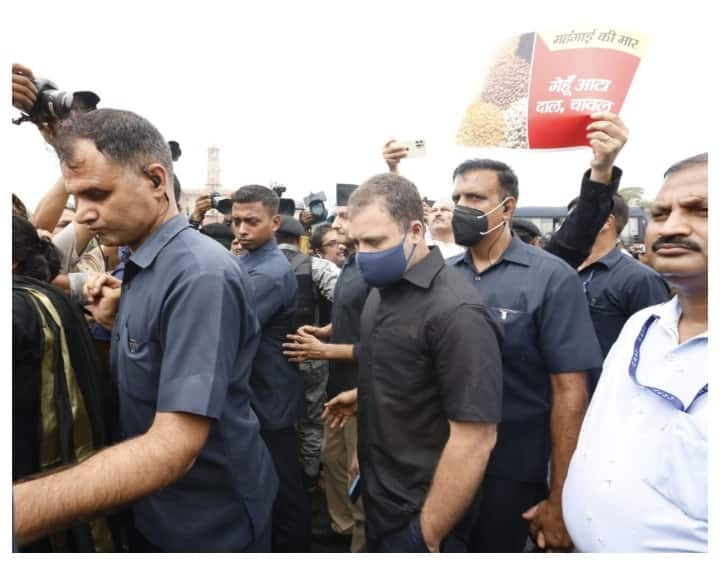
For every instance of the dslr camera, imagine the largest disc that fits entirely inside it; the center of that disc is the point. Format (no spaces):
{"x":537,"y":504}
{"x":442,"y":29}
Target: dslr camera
{"x":53,"y":104}
{"x":221,"y":203}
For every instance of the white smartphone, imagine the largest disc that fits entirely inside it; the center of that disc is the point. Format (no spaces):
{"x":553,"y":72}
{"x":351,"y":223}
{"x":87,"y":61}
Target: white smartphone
{"x":415,"y":147}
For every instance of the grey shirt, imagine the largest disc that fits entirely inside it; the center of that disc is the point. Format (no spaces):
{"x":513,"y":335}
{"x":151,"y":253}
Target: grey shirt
{"x":184,"y":340}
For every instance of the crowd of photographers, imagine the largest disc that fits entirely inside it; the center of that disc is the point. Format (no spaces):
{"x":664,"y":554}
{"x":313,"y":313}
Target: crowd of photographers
{"x":397,"y":375}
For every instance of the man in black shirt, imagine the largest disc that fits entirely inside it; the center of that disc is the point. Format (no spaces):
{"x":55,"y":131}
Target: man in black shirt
{"x":616,"y":286}
{"x":429,"y":383}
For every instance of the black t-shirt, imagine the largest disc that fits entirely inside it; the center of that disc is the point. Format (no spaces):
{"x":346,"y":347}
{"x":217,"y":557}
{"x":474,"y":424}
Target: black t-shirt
{"x":351,"y":290}
{"x":429,"y":353}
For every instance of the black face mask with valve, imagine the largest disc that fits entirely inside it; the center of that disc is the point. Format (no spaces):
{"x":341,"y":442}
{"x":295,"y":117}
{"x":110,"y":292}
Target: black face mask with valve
{"x":470,"y":225}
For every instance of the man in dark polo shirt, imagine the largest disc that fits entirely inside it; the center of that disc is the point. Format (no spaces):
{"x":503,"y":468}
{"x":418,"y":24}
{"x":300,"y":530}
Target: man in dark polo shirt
{"x":183,"y":340}
{"x":430,"y":379}
{"x":549,"y":345}
{"x":616,"y":286}
{"x":276,"y":385}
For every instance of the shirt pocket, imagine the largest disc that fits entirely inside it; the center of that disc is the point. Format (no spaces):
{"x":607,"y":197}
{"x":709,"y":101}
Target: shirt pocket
{"x":139,"y":366}
{"x":677,"y":465}
{"x":518,"y":333}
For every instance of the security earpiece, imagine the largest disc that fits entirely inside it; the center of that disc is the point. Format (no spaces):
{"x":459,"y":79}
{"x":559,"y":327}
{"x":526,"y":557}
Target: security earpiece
{"x":153,"y":178}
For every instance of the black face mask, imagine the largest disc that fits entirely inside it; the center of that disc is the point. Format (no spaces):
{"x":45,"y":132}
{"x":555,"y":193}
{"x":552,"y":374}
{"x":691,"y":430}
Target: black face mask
{"x":471,"y":225}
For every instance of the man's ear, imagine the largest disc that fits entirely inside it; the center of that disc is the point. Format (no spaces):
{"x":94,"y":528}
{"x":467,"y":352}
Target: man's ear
{"x":417,"y":232}
{"x":276,"y":222}
{"x":609,"y":224}
{"x":157,"y":175}
{"x":509,"y":208}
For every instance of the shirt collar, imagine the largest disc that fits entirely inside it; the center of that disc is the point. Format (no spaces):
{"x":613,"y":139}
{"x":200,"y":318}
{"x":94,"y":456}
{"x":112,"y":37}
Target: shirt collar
{"x":668,"y":314}
{"x":516,"y":252}
{"x":150,"y":248}
{"x":422,"y":273}
{"x":255,"y":257}
{"x":611,"y":259}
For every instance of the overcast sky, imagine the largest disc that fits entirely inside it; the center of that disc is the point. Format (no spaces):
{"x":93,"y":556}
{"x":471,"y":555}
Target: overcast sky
{"x":305,"y":93}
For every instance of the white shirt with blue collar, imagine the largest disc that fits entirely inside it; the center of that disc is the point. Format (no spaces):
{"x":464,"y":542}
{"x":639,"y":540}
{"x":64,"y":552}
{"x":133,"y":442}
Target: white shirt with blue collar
{"x":637,"y":481}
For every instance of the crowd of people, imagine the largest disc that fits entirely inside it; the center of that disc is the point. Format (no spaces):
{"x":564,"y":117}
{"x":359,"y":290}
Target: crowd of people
{"x":446,"y":383}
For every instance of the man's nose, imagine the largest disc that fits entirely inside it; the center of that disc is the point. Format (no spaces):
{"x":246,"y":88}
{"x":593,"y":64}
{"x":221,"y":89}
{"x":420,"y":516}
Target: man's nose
{"x":85,"y":214}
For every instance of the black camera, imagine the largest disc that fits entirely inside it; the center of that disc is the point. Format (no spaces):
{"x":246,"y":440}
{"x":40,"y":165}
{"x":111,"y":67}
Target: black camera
{"x":221,"y":203}
{"x":315,"y":204}
{"x":53,"y":104}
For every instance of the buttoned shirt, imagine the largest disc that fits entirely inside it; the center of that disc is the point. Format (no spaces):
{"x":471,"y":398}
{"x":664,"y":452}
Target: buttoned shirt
{"x":429,"y":354}
{"x":276,"y":384}
{"x":183,"y":341}
{"x":638,"y":478}
{"x":616,"y":286}
{"x":539,"y":301}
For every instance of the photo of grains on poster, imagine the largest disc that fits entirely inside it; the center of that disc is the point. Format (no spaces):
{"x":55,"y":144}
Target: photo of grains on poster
{"x":542,"y":87}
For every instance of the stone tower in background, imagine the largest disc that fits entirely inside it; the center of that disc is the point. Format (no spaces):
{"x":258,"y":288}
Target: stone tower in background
{"x":213,"y":176}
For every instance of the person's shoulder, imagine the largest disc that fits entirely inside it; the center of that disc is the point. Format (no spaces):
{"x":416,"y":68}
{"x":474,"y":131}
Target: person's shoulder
{"x":451,"y":290}
{"x":540,"y":258}
{"x":195,"y":252}
{"x":635,"y":269}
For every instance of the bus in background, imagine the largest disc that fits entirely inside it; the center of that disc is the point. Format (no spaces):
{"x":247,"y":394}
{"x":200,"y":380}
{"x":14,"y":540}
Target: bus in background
{"x":549,"y":218}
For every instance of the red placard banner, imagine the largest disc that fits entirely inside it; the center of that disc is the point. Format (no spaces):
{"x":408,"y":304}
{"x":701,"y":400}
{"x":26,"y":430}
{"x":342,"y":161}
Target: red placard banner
{"x":542,"y":88}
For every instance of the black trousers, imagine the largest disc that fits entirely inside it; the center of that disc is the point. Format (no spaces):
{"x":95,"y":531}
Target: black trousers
{"x":500,"y":527}
{"x":291,"y":516}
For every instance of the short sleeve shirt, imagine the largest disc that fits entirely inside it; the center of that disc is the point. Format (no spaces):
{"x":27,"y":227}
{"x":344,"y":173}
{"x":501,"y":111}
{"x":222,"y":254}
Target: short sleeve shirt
{"x":538,"y":299}
{"x":183,"y":341}
{"x":429,"y":354}
{"x":638,"y":480}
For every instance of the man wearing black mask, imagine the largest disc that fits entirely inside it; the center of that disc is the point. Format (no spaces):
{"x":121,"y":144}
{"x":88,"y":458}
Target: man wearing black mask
{"x":549,"y":345}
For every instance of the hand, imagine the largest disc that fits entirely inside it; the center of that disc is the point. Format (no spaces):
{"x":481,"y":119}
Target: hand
{"x":24,"y":91}
{"x":547,"y":526}
{"x":202,"y":205}
{"x":340,"y":409}
{"x":306,"y":218}
{"x":102,"y":294}
{"x":393,"y":152}
{"x":320,"y":333}
{"x":303,"y":347}
{"x":607,"y":134}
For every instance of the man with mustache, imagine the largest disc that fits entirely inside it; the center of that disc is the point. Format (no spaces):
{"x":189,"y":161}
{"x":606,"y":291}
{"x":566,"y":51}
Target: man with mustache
{"x":441,"y":230}
{"x":638,"y":478}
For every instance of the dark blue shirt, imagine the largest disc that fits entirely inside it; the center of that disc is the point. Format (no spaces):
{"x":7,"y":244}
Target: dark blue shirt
{"x":351,"y":291}
{"x":539,"y":301}
{"x":616,"y":287}
{"x":276,"y":384}
{"x":184,"y":339}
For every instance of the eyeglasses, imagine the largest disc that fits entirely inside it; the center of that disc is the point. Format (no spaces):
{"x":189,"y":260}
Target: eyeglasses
{"x":331,"y":243}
